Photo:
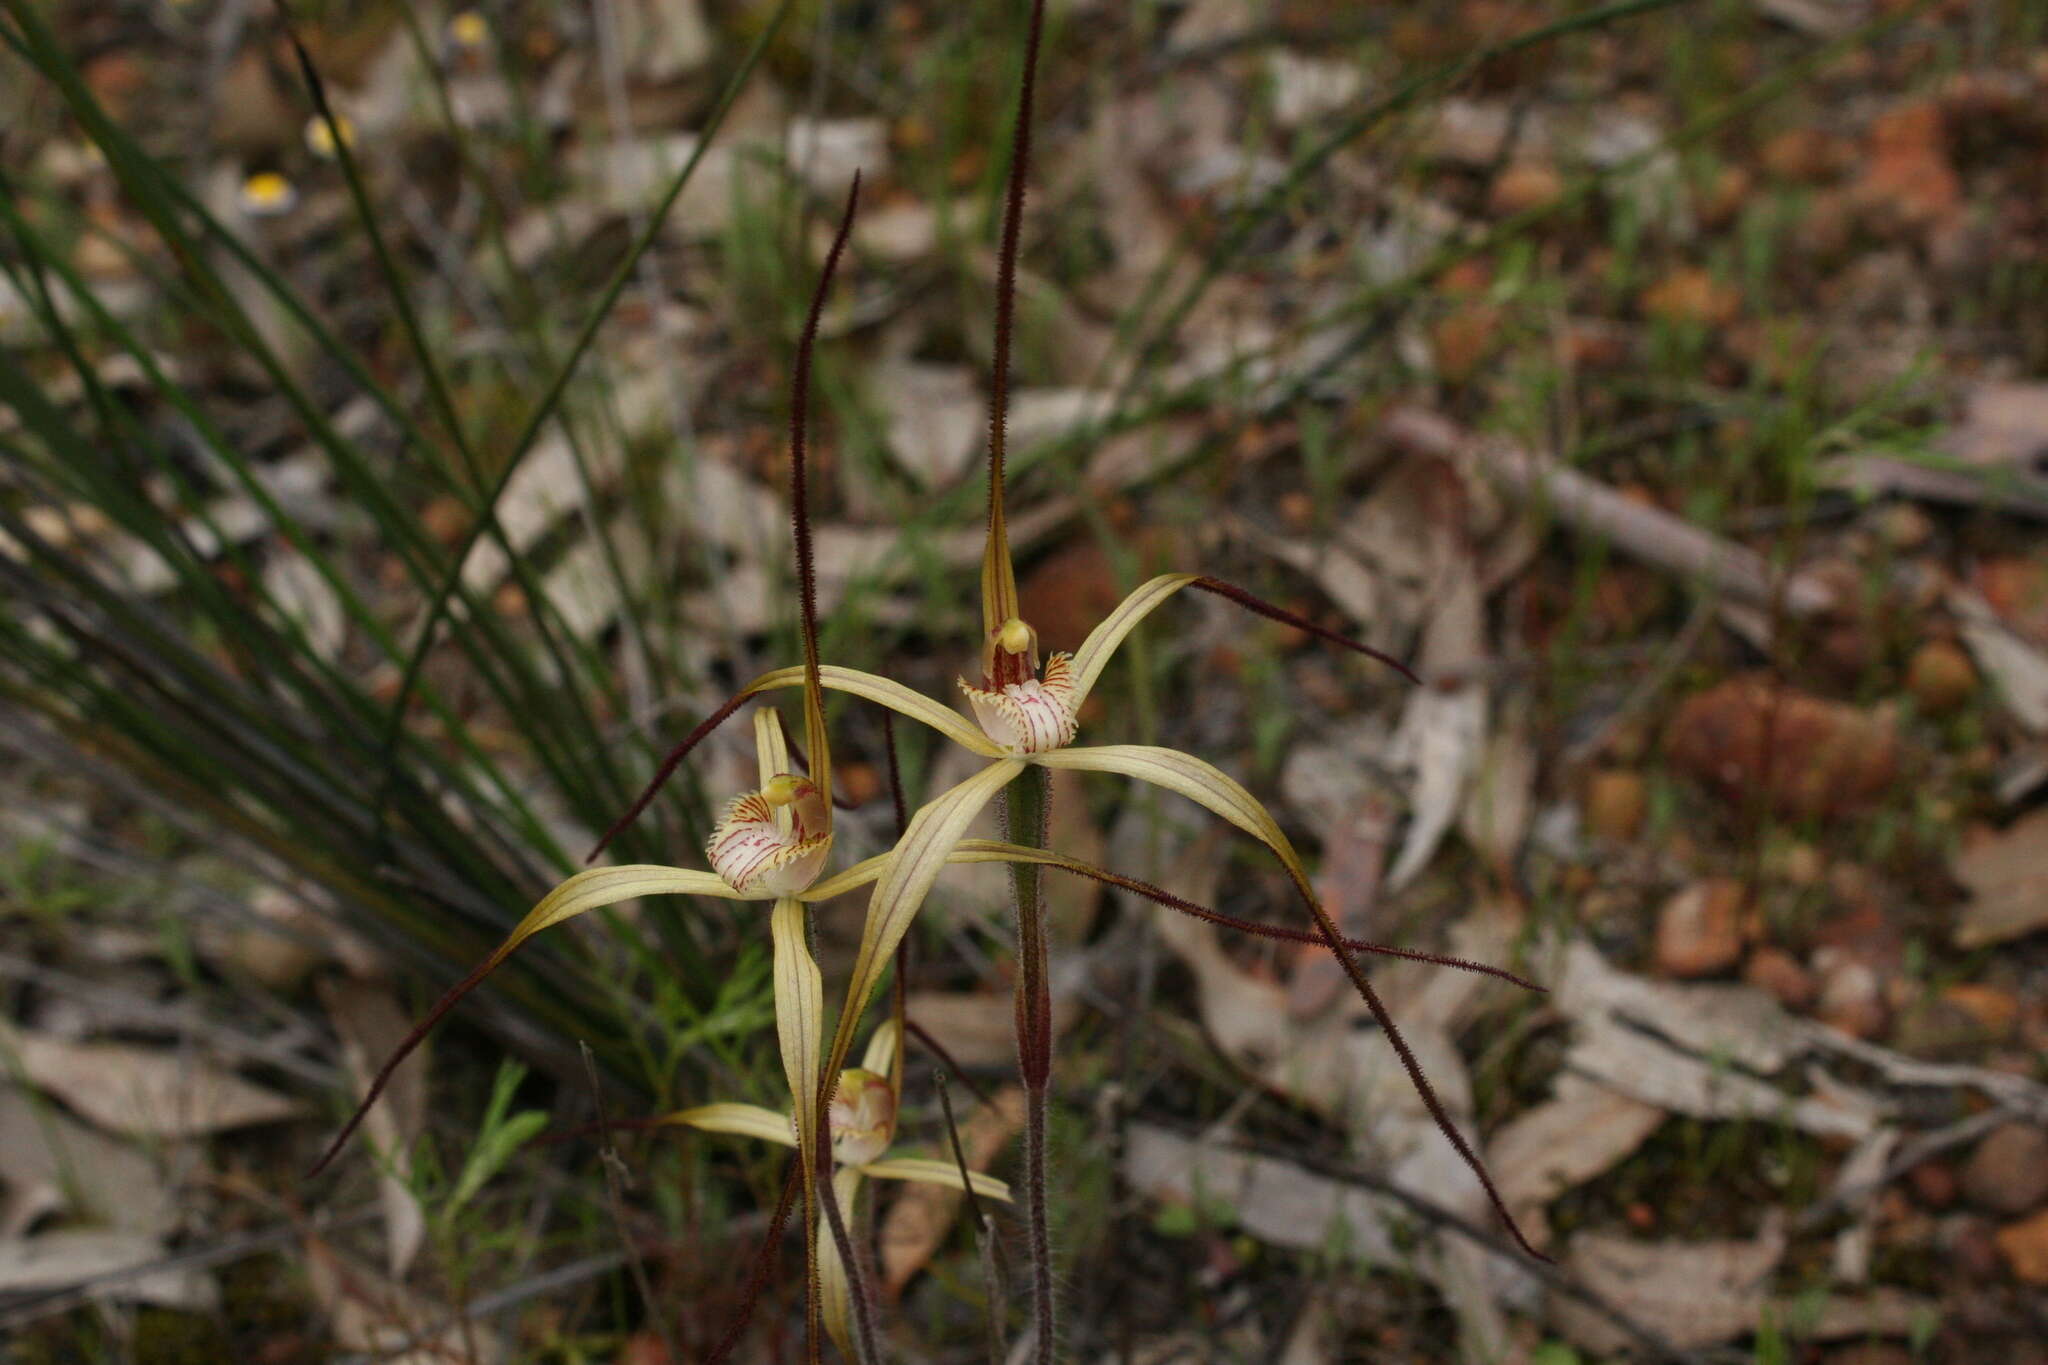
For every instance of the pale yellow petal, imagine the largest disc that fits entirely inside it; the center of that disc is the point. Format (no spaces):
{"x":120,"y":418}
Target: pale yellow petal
{"x":771,"y":749}
{"x":835,"y":1293}
{"x":859,"y":875}
{"x":1102,"y":642}
{"x":601,"y":886}
{"x":883,"y":1047}
{"x":799,"y":1020}
{"x":930,"y":1172}
{"x":1199,"y":781}
{"x":914,"y":866}
{"x":884,"y":692}
{"x":741,"y":1120}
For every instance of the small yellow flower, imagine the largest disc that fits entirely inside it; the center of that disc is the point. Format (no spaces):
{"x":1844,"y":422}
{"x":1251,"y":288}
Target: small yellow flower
{"x":320,"y":136}
{"x":266,"y":194}
{"x":469,"y":30}
{"x":863,"y":1124}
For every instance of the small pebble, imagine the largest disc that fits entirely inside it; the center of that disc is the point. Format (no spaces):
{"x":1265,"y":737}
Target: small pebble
{"x":2008,"y":1173}
{"x":1699,"y":930}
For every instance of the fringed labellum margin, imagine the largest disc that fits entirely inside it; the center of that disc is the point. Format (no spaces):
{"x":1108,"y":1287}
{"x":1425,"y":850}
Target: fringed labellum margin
{"x":773,"y":842}
{"x":1021,"y":709}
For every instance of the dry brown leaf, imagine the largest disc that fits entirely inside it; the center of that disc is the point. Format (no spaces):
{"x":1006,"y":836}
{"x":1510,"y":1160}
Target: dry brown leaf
{"x":1583,"y":1130}
{"x":1443,"y":729}
{"x":1696,"y":1293}
{"x":368,"y":1312}
{"x":918,"y":1220}
{"x":371,"y":1026}
{"x":1696,"y":1049}
{"x":2024,"y":1245}
{"x":2007,"y":875}
{"x":2002,"y":424}
{"x":935,"y":415}
{"x":52,"y":1163}
{"x":1343,"y":577}
{"x":2013,"y":662}
{"x":1308,"y":88}
{"x":1275,"y":1201}
{"x":1502,"y":799}
{"x":1909,"y":178}
{"x":74,"y":1256}
{"x":549,"y":485}
{"x":147,"y":1092}
{"x":662,"y":39}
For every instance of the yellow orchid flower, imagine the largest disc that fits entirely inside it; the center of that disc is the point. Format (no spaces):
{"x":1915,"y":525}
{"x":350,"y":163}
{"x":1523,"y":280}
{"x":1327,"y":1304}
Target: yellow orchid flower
{"x":771,"y":844}
{"x":1027,"y":717}
{"x":862,"y":1128}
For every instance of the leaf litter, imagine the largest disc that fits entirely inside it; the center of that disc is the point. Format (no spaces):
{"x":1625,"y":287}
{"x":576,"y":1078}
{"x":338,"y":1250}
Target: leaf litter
{"x":1474,"y":775}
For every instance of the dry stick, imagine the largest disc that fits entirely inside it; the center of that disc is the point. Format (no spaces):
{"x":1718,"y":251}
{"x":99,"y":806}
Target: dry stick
{"x":938,"y":1050}
{"x":994,"y":1275}
{"x":1555,"y":1278}
{"x":608,"y":1157}
{"x":1586,"y":504}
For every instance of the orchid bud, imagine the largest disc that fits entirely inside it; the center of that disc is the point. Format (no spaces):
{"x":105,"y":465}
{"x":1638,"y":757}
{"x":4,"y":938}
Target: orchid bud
{"x":862,"y":1118}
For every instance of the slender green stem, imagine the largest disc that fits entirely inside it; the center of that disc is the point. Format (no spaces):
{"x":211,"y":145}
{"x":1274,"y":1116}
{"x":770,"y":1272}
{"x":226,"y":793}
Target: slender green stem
{"x":1025,"y":807}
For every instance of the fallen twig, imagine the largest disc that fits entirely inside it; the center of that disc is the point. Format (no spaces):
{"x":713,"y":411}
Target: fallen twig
{"x":1647,"y":533}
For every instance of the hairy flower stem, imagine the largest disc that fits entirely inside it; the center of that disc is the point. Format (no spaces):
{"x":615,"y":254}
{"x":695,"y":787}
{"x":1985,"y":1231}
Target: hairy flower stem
{"x":1025,"y":808}
{"x":864,"y":1329}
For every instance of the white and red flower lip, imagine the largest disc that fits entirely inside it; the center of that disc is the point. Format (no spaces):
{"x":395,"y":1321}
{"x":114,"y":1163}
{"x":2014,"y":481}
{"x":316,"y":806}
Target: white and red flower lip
{"x":761,"y":855}
{"x":1031,"y":716}
{"x":1020,"y":707}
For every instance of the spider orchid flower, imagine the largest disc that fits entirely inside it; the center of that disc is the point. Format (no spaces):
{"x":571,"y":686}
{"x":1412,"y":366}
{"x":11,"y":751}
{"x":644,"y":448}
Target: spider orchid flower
{"x":1027,"y":715}
{"x":771,"y":844}
{"x":1030,"y":717}
{"x":862,"y":1128}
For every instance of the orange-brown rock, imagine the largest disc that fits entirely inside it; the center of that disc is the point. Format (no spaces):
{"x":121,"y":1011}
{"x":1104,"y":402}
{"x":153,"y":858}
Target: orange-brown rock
{"x":2024,"y":1245}
{"x":1750,"y":738}
{"x":1699,"y":930}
